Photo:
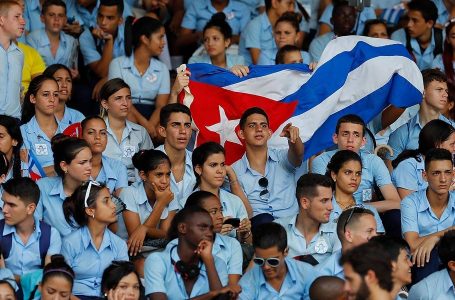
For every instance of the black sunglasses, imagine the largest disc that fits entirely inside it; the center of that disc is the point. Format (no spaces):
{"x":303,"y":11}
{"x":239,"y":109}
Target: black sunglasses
{"x":263,"y":183}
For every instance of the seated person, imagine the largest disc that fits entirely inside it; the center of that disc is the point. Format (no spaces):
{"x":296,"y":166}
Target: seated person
{"x":327,"y":287}
{"x":376,"y":28}
{"x":31,"y":242}
{"x":427,"y":214}
{"x":445,"y":60}
{"x":355,"y":226}
{"x":57,"y":278}
{"x":310,"y":233}
{"x":188,"y":269}
{"x":274,"y":275}
{"x":409,"y":165}
{"x":289,"y":54}
{"x":54,"y":45}
{"x":121,"y":279}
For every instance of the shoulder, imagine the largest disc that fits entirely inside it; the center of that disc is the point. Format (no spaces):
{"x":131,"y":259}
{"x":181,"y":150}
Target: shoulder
{"x":414,"y":199}
{"x":158,"y":64}
{"x":48,"y":181}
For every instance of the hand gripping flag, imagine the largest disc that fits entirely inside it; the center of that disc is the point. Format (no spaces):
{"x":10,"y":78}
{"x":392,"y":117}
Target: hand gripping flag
{"x":356,"y":75}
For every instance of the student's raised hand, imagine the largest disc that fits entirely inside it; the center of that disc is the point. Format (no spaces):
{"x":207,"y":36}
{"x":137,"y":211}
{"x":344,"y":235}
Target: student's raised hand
{"x":164,"y":197}
{"x":233,"y":291}
{"x":136,"y":240}
{"x":204,"y":250}
{"x":290,"y":132}
{"x":313,"y":65}
{"x":181,"y":81}
{"x":240,"y":70}
{"x":116,"y":294}
{"x":421,"y":255}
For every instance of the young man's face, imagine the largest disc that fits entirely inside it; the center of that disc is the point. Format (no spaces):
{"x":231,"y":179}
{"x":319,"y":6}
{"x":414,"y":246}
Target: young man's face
{"x":108,"y":18}
{"x":199,"y":227}
{"x":270,"y":272}
{"x":15,"y":210}
{"x":436,"y":95}
{"x":439,"y":176}
{"x":354,"y":285}
{"x":349,"y":137}
{"x":417,"y":26}
{"x":362,"y":231}
{"x":256,"y":131}
{"x":401,"y":271}
{"x":177,"y":131}
{"x":293,"y":57}
{"x":319,"y":207}
{"x":13,"y":23}
{"x":344,"y":21}
{"x":54,"y":18}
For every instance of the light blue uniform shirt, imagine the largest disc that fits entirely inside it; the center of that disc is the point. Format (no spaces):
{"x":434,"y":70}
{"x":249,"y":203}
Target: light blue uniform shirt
{"x":439,"y":64}
{"x":50,"y":204}
{"x":423,"y":60}
{"x":137,"y":202}
{"x":24,"y":258}
{"x":443,"y":14}
{"x":374,"y":172}
{"x":87,"y":262}
{"x":200,"y":12}
{"x":318,"y":45}
{"x":36,"y":140}
{"x":231,"y":60}
{"x":438,"y":285}
{"x":232,"y":205}
{"x":296,"y":284}
{"x":267,"y":57}
{"x":183,"y":189}
{"x":366,"y":14}
{"x":382,"y":4}
{"x":407,"y":135}
{"x":253,"y":5}
{"x":39,"y":40}
{"x":144,"y":89}
{"x":408,"y":174}
{"x":11,"y":64}
{"x":71,"y":116}
{"x":336,"y":212}
{"x":161,"y":277}
{"x":280,"y":200}
{"x":113,"y":174}
{"x":134,"y":138}
{"x":321,"y":246}
{"x":89,"y":45}
{"x":6,"y":274}
{"x":331,"y":266}
{"x":417,"y":215}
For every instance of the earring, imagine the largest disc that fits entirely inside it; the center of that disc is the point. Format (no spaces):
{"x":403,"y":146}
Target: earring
{"x":66,"y":171}
{"x":93,"y":216}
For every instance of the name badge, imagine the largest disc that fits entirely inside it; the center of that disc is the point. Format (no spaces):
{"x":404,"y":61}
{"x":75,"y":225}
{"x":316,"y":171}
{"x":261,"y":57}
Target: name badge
{"x":230,"y":15}
{"x":321,"y":246}
{"x":128,"y":151}
{"x":41,"y":149}
{"x":367,"y":195}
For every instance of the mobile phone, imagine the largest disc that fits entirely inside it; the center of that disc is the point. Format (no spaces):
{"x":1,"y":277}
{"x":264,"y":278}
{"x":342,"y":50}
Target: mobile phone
{"x":309,"y":259}
{"x":235,"y":222}
{"x":70,"y":20}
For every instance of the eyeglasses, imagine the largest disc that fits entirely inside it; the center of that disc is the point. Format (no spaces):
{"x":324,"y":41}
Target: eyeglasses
{"x":271,"y":261}
{"x":264,"y":183}
{"x":357,"y":209}
{"x":87,"y":192}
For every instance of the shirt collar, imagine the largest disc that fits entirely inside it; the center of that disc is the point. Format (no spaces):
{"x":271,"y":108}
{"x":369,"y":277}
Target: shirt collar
{"x":12,"y":229}
{"x":87,"y":239}
{"x":33,"y":127}
{"x":447,"y":281}
{"x":265,"y":22}
{"x":188,"y":162}
{"x":58,"y":189}
{"x":218,"y":244}
{"x":424,"y":204}
{"x":245,"y":164}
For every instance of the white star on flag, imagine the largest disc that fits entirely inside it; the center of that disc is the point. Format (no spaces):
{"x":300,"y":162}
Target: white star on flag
{"x":225,"y":128}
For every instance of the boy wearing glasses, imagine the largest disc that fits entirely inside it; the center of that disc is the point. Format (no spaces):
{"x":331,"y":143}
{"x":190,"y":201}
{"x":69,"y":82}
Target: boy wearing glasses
{"x":274,"y":275}
{"x":31,"y":242}
{"x":267,"y":175}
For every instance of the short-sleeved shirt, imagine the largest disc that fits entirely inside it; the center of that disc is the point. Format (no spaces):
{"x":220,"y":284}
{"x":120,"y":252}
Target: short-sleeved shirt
{"x":366,"y":14}
{"x":232,"y":205}
{"x":67,"y":47}
{"x":33,"y":65}
{"x":336,"y":212}
{"x":443,"y":14}
{"x":50,"y":205}
{"x":439,"y":64}
{"x":331,"y":266}
{"x":92,"y":49}
{"x":318,"y":45}
{"x":407,"y":135}
{"x":144,"y":88}
{"x":280,"y":200}
{"x":37,"y":141}
{"x":161,"y":276}
{"x":321,"y":246}
{"x":438,"y":285}
{"x":134,"y":138}
{"x":231,"y":60}
{"x":136,"y":201}
{"x":257,"y":34}
{"x":417,"y":215}
{"x":423,"y":59}
{"x":32,"y":14}
{"x":87,"y":262}
{"x":71,"y":116}
{"x":296,"y":284}
{"x":11,"y":63}
{"x":200,"y":12}
{"x":24,"y":258}
{"x":408,"y":174}
{"x":113,"y":174}
{"x":382,"y":4}
{"x":374,"y":173}
{"x":267,"y":57}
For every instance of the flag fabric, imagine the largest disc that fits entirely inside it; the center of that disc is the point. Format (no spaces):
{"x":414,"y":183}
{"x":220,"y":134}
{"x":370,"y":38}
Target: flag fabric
{"x":356,"y":75}
{"x":74,"y":130}
{"x":34,"y":168}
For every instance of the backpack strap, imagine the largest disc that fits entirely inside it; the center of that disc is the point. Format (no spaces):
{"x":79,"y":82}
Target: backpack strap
{"x":6,"y":241}
{"x":438,"y":41}
{"x":44,"y":240}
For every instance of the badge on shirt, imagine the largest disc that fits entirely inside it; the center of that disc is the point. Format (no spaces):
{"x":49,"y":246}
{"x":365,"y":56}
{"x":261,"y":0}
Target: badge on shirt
{"x":321,"y":246}
{"x":151,"y":77}
{"x":367,"y":195}
{"x":128,"y":151}
{"x":41,"y":149}
{"x":230,"y":15}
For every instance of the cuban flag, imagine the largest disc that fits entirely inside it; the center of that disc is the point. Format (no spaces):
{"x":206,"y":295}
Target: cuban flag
{"x":35,"y":170}
{"x":356,"y":75}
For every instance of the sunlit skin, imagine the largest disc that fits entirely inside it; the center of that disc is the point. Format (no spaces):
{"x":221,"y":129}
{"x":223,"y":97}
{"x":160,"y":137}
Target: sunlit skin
{"x":349,"y":137}
{"x":6,"y":292}
{"x":436,"y":95}
{"x":271,"y":273}
{"x":128,"y":288}
{"x":54,"y":19}
{"x":56,"y":288}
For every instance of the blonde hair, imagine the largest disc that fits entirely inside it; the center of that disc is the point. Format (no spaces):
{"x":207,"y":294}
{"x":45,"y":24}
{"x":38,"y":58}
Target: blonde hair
{"x":5,"y":6}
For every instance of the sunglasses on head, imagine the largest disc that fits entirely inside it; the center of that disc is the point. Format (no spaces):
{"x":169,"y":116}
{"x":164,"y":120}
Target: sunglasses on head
{"x":271,"y":261}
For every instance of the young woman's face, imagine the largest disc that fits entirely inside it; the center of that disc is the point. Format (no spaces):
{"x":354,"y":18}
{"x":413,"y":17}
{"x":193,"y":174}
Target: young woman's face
{"x":285,"y":34}
{"x":6,"y":141}
{"x":56,"y":288}
{"x":118,"y":104}
{"x":213,"y":206}
{"x":378,"y":31}
{"x":213,"y":171}
{"x":104,"y":210}
{"x":214,"y":42}
{"x":46,"y":98}
{"x":451,"y":37}
{"x":80,"y":167}
{"x":128,"y":287}
{"x":95,"y":134}
{"x":65,"y":84}
{"x":6,"y":292}
{"x":348,"y":177}
{"x":160,"y":177}
{"x":449,"y":144}
{"x":156,"y":42}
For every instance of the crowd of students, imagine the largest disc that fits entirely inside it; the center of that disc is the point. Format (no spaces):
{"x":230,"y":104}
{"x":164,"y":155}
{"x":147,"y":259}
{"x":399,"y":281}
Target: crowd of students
{"x":125,"y":207}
